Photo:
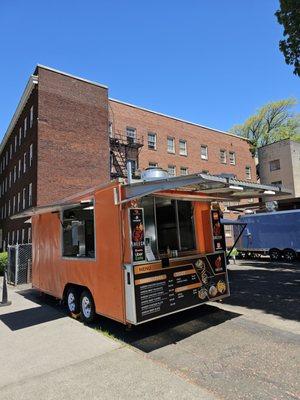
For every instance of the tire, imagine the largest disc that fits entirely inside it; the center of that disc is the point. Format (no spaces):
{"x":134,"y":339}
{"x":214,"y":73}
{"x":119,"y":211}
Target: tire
{"x":289,"y":255}
{"x":87,"y":307}
{"x":72,"y":300}
{"x":275,"y":254}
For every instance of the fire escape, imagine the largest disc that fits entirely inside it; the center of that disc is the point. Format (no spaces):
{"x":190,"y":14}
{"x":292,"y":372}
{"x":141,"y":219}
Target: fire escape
{"x":124,"y":148}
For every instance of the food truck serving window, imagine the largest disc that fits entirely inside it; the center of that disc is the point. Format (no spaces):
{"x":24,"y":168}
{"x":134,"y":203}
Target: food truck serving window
{"x":169,"y":226}
{"x":78,"y":232}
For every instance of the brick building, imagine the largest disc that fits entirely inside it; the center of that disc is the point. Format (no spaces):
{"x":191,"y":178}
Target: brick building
{"x":67,"y":135}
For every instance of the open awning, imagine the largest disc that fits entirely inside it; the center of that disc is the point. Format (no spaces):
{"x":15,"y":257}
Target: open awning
{"x":44,"y":210}
{"x":214,"y":186}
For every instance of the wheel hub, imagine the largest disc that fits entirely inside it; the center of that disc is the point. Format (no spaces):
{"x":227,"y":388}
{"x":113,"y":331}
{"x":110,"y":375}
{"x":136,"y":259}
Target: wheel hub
{"x":71,"y":302}
{"x":86,"y":307}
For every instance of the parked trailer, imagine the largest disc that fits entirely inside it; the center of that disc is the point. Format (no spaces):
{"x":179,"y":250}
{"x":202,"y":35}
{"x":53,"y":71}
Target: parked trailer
{"x":276,"y":234}
{"x":137,"y":251}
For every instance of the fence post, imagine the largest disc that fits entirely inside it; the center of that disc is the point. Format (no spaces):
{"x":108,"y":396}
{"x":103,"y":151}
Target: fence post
{"x":17,"y":265}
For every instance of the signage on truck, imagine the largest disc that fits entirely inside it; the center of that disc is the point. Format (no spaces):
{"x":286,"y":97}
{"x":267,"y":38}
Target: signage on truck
{"x":160,"y":291}
{"x":136,"y":216}
{"x":218,"y":231}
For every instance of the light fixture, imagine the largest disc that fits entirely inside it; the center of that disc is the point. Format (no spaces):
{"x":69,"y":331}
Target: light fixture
{"x":269,"y":192}
{"x":89,"y":208}
{"x":233,"y":187}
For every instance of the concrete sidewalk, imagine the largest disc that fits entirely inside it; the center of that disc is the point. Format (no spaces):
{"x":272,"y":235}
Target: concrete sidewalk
{"x":44,"y":354}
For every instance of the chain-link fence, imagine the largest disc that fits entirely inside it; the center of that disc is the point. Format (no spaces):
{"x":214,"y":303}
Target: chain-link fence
{"x":19,"y":264}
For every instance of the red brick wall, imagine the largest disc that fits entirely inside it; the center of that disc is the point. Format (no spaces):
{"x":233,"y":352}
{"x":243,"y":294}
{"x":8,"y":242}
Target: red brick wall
{"x":123,"y":115}
{"x":73,"y":147}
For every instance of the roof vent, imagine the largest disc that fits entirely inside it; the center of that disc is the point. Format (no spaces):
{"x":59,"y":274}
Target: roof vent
{"x":154,"y":173}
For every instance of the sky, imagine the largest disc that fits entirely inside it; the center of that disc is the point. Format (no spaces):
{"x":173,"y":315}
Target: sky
{"x":210,"y":62}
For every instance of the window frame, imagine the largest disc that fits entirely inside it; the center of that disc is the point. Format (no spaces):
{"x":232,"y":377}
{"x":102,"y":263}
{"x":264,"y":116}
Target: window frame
{"x":204,"y":157}
{"x":224,"y":153}
{"x":184,"y":168}
{"x":155,"y":140}
{"x":248,"y":176}
{"x":172,"y":138}
{"x":87,"y":259}
{"x":273,"y":161}
{"x":172,"y":166}
{"x":232,"y":161}
{"x":185,"y":151}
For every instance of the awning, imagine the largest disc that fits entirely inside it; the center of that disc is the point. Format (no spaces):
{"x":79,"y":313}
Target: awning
{"x":44,"y":210}
{"x":212,"y":185}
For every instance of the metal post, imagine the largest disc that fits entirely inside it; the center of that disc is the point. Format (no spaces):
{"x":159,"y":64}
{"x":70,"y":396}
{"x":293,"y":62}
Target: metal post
{"x":17,"y":265}
{"x":4,"y":301}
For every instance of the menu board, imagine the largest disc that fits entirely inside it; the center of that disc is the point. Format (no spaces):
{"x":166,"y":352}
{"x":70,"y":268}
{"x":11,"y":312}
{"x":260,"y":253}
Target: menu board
{"x":218,"y":231}
{"x":136,"y":216}
{"x":160,"y":291}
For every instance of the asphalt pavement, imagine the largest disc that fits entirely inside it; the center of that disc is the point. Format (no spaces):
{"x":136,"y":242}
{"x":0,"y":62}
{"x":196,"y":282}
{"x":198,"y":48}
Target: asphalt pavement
{"x":247,"y":347}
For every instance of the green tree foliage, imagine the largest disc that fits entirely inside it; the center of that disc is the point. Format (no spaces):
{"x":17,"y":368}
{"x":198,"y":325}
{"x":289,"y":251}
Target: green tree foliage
{"x":272,"y":122}
{"x":3,"y":261}
{"x":289,"y":16}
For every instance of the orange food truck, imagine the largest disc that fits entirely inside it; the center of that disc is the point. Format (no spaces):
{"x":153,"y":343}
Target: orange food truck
{"x":137,"y":251}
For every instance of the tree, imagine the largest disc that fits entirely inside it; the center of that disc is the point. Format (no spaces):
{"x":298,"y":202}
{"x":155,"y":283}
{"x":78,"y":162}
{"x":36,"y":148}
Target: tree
{"x":289,"y":16}
{"x":272,"y":122}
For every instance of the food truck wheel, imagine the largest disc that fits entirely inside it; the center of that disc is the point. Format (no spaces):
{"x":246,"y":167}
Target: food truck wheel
{"x":274,"y":254}
{"x":72,"y":300}
{"x":87,"y":307}
{"x":289,"y":255}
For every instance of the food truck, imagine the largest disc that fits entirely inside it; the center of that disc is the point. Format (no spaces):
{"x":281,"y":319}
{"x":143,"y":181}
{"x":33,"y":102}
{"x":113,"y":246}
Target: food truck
{"x":136,"y":251}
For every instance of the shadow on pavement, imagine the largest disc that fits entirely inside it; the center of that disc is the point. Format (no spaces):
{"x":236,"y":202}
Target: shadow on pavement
{"x":165,"y":331}
{"x":271,"y":287}
{"x":33,"y":316}
{"x":146,"y":337}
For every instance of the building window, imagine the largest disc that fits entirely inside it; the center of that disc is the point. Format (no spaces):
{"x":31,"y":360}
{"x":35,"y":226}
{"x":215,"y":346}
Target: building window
{"x":153,"y":164}
{"x":24,"y":163}
{"x":18,"y":234}
{"x":20,"y":136}
{"x":16,"y":142}
{"x":19,"y":169}
{"x":14,"y":205}
{"x":29,"y":235}
{"x":171,"y":145}
{"x":182,"y":147}
{"x":15,"y":173}
{"x":274,"y":165}
{"x":205,"y":171}
{"x":204,"y":152}
{"x":9,"y":181}
{"x":30,"y":155}
{"x":30,"y":195}
{"x":78,"y":232}
{"x":131,"y":134}
{"x":13,"y":237}
{"x":223,"y":156}
{"x":172,"y":170}
{"x":248,"y":172}
{"x":183,"y":171}
{"x":152,"y":141}
{"x":232,"y":159}
{"x":6,"y":158}
{"x":31,"y":117}
{"x":25,"y":126}
{"x":8,"y":207}
{"x":24,"y":198}
{"x":23,"y":236}
{"x":228,"y":231}
{"x":10,"y":151}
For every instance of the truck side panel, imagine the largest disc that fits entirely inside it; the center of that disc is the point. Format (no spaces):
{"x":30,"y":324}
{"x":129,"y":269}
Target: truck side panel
{"x":271,"y":230}
{"x":103,"y":276}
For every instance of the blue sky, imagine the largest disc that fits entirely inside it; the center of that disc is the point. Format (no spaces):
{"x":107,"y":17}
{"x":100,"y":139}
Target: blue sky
{"x":210,"y":62}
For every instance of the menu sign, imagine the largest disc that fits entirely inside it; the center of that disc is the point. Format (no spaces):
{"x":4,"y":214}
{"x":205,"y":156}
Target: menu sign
{"x":160,"y":291}
{"x":136,"y":216}
{"x":218,"y":231}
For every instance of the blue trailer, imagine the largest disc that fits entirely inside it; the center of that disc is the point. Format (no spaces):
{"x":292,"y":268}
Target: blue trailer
{"x":276,"y":234}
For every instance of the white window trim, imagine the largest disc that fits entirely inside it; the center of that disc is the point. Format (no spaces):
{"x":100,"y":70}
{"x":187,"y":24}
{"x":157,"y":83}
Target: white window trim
{"x":173,"y":141}
{"x":204,"y":157}
{"x":185,"y":151}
